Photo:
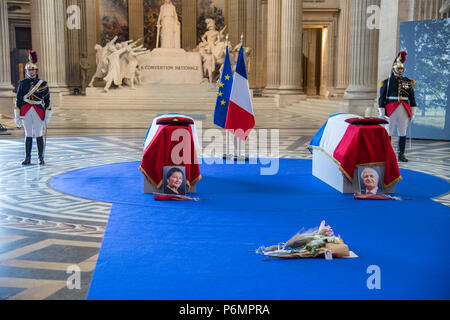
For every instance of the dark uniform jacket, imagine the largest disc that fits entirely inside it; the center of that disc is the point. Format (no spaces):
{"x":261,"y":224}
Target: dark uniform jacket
{"x":41,"y":94}
{"x":400,"y":89}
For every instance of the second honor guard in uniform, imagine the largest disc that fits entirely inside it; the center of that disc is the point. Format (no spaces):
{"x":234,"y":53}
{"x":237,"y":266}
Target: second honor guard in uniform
{"x":397,"y":102}
{"x":32,"y":108}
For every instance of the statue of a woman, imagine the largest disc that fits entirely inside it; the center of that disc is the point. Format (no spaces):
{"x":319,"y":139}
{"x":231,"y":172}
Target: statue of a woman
{"x":168,"y":26}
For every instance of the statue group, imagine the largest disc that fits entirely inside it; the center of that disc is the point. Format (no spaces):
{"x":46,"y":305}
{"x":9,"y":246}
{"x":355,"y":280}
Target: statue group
{"x":212,"y":48}
{"x":118,"y":63}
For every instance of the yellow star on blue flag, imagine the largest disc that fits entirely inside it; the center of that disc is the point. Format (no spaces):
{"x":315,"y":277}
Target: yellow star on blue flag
{"x":223,"y":96}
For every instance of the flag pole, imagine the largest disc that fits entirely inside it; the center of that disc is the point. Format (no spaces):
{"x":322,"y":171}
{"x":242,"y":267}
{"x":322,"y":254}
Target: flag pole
{"x":227,"y":134}
{"x":240,"y":143}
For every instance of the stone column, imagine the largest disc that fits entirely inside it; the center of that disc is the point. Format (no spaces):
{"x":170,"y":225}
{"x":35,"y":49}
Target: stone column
{"x":343,"y":48}
{"x":291,"y":49}
{"x":388,"y":38}
{"x":48,"y":41}
{"x":237,"y":20}
{"x":90,"y":32}
{"x":76,"y":45}
{"x":360,"y":95}
{"x":73,"y":51}
{"x":6,"y":88}
{"x":189,"y":27}
{"x":250,"y":40}
{"x":60,"y":27}
{"x":136,"y":19}
{"x":273,"y":45}
{"x":5,"y":61}
{"x":261,"y":46}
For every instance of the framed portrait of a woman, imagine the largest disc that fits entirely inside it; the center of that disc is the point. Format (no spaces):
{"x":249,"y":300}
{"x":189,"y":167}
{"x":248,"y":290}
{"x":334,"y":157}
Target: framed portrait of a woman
{"x":174,"y":180}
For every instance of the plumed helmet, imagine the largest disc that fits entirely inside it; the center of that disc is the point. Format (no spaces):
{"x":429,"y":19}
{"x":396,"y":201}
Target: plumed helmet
{"x":399,"y":60}
{"x":32,"y":60}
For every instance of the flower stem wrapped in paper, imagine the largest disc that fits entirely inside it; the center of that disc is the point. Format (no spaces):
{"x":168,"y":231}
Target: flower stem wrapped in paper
{"x":312,"y":243}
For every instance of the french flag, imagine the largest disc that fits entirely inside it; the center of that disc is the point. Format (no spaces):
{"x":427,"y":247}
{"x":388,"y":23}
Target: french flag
{"x":240,"y":118}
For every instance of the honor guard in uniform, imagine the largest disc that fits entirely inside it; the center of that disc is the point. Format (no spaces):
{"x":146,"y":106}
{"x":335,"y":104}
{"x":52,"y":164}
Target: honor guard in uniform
{"x":32,"y":108}
{"x":397,"y":102}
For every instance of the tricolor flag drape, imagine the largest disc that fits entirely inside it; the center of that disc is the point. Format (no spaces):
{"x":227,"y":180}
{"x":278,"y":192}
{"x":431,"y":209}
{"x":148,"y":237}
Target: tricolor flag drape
{"x":240,"y":118}
{"x":223,"y":95}
{"x":159,"y":145}
{"x":351,"y":145}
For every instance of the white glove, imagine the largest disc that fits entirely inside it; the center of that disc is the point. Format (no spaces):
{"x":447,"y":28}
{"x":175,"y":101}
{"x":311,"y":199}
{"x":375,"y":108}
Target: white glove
{"x":17,"y":118}
{"x":381,"y":113}
{"x":48,"y":115}
{"x":413,"y":113}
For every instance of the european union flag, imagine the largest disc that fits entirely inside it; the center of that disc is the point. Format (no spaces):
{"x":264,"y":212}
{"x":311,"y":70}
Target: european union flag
{"x":223,"y":96}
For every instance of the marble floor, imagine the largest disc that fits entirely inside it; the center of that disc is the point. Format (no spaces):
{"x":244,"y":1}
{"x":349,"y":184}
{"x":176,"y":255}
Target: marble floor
{"x":47,"y":237}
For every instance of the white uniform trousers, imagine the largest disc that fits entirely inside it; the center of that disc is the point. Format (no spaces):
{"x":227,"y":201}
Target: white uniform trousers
{"x":32,"y":124}
{"x":400,"y":118}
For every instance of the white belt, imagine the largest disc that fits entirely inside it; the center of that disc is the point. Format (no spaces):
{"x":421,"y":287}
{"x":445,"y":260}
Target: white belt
{"x":397,"y":98}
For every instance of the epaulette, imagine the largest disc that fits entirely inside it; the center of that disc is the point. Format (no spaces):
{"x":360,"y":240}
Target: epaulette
{"x":413,"y":82}
{"x":382,"y":83}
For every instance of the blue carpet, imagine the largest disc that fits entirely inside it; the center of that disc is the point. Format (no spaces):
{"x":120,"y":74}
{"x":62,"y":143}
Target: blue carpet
{"x":200,"y":250}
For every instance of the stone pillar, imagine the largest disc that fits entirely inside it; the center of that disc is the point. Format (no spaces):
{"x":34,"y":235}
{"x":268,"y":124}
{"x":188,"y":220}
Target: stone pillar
{"x":250,"y":40}
{"x":388,"y":38}
{"x":343,"y":48}
{"x":189,"y":27}
{"x":60,"y":27}
{"x":359,"y":98}
{"x":291,"y":51}
{"x":76,"y":45}
{"x":47,"y":19}
{"x":237,"y":20}
{"x":6,"y":88}
{"x":261,"y":46}
{"x":90,"y":33}
{"x":73,"y":51}
{"x":136,"y":19}
{"x":273,"y":45}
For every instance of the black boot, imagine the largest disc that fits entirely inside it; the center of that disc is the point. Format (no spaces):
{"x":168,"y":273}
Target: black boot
{"x":40,"y":146}
{"x":401,"y":149}
{"x":28,"y":146}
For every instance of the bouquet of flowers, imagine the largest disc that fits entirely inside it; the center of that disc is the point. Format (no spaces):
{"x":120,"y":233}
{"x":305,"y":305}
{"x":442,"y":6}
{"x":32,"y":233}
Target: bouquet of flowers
{"x":312,"y":243}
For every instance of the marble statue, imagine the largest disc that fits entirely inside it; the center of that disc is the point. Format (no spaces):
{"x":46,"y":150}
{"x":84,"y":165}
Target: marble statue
{"x":212,"y":48}
{"x":100,"y":60}
{"x":168,"y":27}
{"x":117,"y":63}
{"x":234,"y":53}
{"x":112,"y":60}
{"x":131,"y":70}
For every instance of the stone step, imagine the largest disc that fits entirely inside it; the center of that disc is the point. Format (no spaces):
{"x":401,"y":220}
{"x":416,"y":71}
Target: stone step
{"x":86,"y":103}
{"x":315,"y":109}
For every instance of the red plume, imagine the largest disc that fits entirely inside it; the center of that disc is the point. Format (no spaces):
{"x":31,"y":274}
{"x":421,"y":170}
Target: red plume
{"x":403,"y":56}
{"x":33,"y":55}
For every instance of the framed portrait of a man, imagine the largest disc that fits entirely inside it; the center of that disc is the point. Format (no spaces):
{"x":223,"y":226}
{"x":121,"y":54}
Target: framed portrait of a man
{"x":174,"y":180}
{"x":370,"y":180}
